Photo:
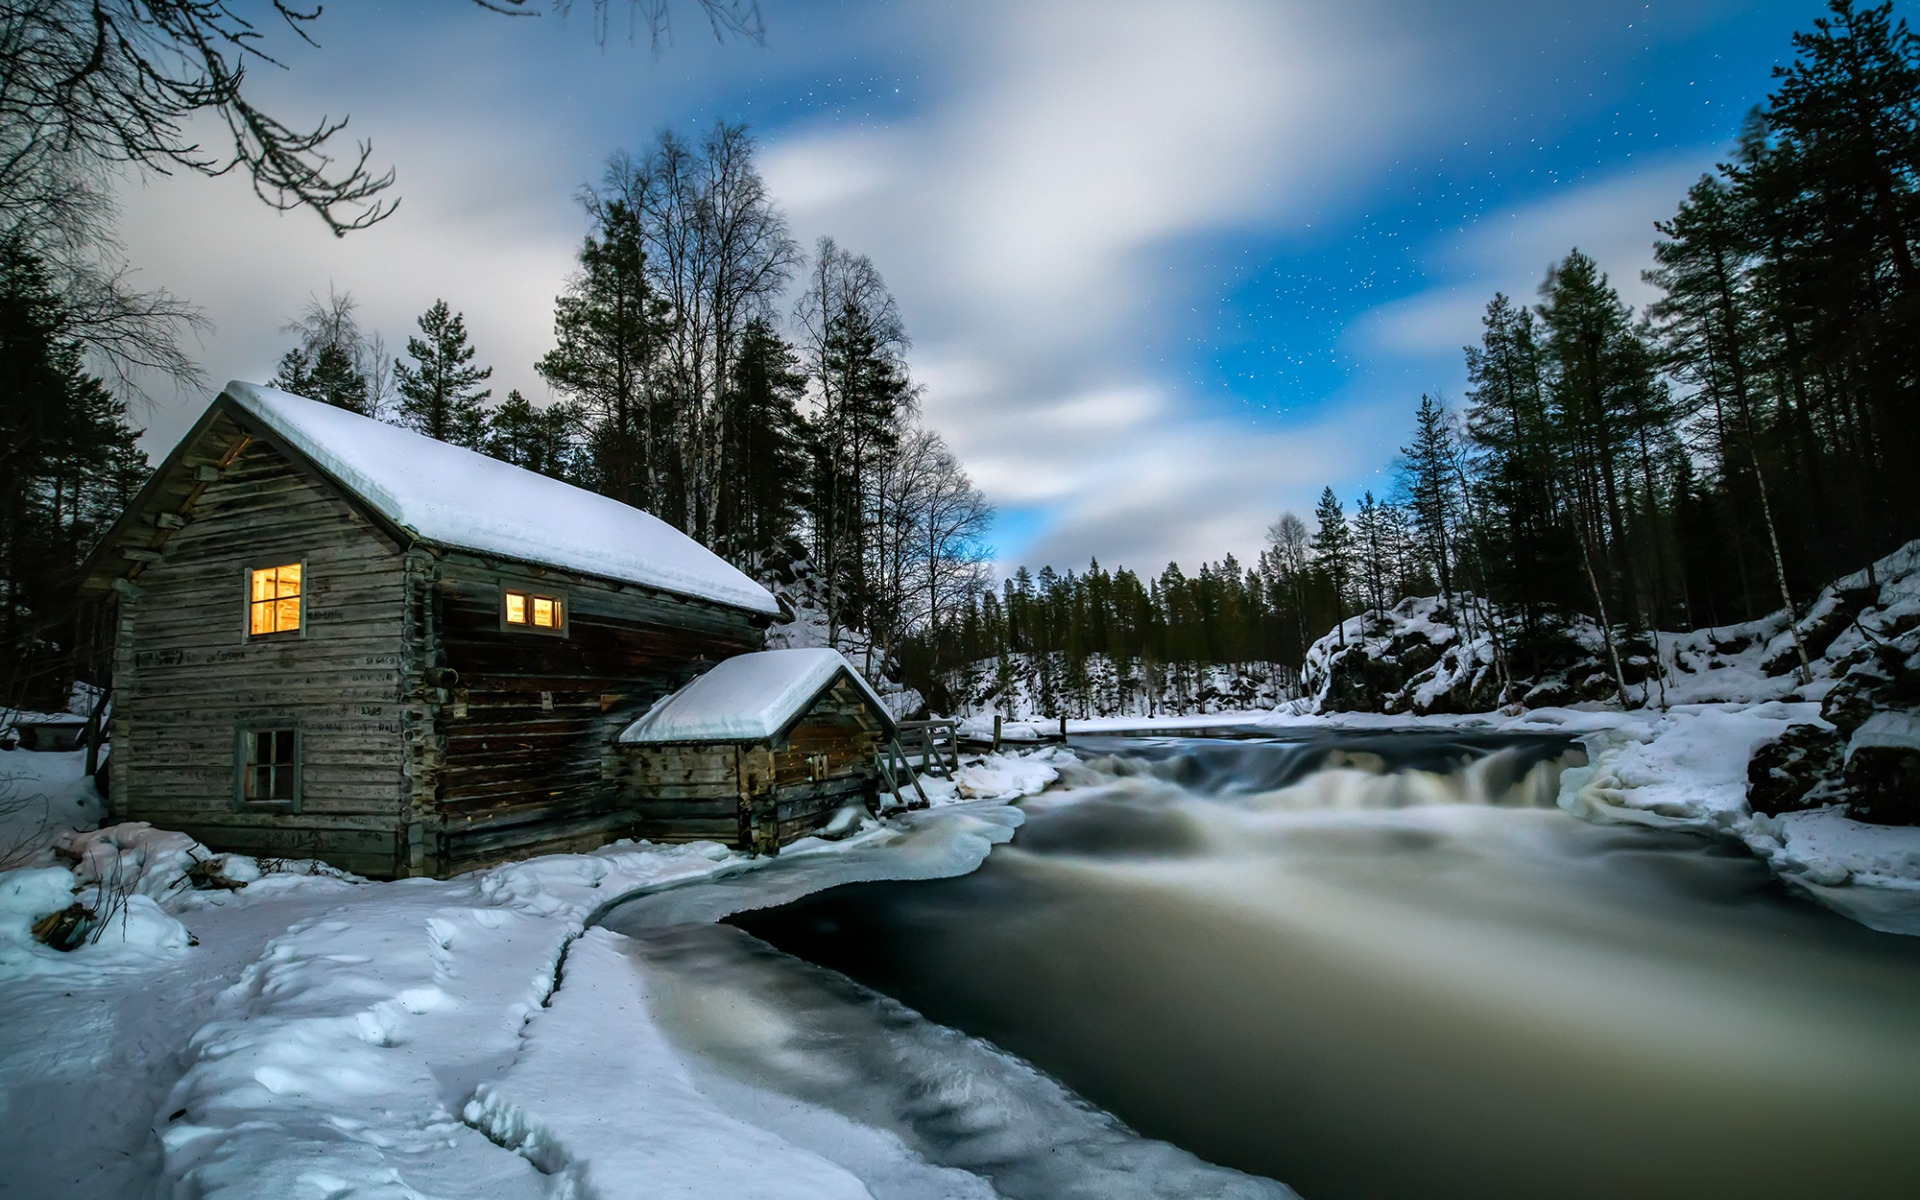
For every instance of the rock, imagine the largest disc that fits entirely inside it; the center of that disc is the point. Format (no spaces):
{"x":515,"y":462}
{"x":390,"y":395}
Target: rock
{"x":1883,"y":769}
{"x":1797,"y":770}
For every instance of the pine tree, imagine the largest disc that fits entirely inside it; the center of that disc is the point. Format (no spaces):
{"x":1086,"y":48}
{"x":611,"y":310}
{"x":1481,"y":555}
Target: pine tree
{"x":438,"y":396}
{"x":611,"y":330}
{"x":69,"y":462}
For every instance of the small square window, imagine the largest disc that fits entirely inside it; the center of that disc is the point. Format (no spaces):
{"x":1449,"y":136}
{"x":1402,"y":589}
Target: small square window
{"x":270,"y":766}
{"x":530,"y":610}
{"x":546,"y":612}
{"x":273,"y":604}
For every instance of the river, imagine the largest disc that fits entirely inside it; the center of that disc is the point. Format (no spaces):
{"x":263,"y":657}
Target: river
{"x":1379,"y":965}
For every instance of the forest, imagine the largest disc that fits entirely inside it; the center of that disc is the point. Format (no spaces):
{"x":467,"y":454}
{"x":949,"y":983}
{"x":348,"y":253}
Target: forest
{"x":1723,"y":454}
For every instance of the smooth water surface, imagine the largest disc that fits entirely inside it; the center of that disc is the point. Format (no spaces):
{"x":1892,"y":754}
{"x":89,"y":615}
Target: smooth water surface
{"x":1387,"y":966}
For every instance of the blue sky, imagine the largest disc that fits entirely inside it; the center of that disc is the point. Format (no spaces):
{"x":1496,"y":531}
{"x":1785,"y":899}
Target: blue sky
{"x":1169,"y":269}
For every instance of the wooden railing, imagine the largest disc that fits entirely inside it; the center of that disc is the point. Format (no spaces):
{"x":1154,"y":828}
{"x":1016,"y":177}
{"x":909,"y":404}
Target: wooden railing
{"x":935,"y":744}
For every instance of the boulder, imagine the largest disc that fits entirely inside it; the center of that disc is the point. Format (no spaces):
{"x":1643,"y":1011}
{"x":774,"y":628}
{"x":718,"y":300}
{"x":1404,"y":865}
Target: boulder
{"x":1797,"y":770}
{"x":1882,"y":769}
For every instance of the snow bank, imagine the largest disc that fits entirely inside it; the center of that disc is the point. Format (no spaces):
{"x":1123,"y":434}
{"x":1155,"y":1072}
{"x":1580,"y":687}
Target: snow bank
{"x":133,"y":856}
{"x":1010,"y":776}
{"x":25,"y":897}
{"x":626,"y":1121}
{"x":1687,"y":770}
{"x":407,"y":1039}
{"x":43,"y":794}
{"x":1870,"y":873}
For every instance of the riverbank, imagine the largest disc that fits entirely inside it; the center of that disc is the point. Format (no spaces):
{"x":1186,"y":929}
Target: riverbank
{"x":275,"y":1029}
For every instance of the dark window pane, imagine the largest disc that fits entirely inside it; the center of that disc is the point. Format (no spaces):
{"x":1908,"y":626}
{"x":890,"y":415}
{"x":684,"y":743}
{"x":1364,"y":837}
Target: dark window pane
{"x":270,"y":770}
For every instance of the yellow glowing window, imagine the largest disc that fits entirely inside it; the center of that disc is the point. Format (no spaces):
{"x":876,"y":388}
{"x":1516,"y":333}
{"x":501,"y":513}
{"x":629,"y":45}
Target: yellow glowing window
{"x":274,"y":606}
{"x":535,"y":612}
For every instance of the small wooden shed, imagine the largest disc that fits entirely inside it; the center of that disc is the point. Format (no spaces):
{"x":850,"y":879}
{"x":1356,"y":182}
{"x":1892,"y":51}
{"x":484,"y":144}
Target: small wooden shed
{"x":337,"y":639}
{"x":760,"y":750}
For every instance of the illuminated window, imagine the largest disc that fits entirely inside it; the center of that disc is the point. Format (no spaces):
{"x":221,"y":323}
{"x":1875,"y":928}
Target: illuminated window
{"x":525,"y":610}
{"x":269,"y":766}
{"x":274,"y":603}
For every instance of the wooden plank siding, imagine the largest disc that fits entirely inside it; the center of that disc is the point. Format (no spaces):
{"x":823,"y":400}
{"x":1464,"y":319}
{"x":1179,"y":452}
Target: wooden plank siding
{"x":525,"y":721}
{"x":187,"y":677}
{"x":432,"y":739}
{"x":757,"y":795}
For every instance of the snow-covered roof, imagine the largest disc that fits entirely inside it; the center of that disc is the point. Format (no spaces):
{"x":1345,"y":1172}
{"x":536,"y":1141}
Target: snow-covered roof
{"x":462,"y":499}
{"x":747,"y":698}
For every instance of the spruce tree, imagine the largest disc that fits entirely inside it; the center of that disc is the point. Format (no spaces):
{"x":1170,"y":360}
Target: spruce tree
{"x":764,"y":480}
{"x":1431,"y":480}
{"x":1333,"y":554}
{"x":539,"y":439}
{"x":438,"y":392}
{"x":611,"y":330}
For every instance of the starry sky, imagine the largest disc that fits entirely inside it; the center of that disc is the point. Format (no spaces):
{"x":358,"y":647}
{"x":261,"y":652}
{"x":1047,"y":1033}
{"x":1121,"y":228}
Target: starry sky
{"x":1169,"y":268}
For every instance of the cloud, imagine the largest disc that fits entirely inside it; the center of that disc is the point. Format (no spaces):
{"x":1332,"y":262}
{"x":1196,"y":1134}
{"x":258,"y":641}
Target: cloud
{"x":1610,"y":219}
{"x":1032,"y":217}
{"x":1040,"y":184}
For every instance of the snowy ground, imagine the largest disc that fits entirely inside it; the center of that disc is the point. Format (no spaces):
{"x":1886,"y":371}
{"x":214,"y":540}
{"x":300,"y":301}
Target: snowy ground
{"x":314,"y":1035}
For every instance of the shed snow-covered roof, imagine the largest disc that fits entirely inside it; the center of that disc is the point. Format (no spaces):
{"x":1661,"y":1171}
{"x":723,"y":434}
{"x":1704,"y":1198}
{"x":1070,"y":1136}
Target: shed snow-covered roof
{"x":747,"y":698}
{"x":464,"y":500}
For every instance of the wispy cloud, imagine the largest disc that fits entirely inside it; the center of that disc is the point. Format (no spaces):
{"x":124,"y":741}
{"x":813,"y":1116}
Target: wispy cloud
{"x":1610,"y":219}
{"x":1046,"y":187}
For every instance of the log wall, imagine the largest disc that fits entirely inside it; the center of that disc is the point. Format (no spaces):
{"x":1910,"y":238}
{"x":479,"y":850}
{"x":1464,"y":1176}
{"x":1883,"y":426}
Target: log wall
{"x":515,"y":754}
{"x":187,"y":678}
{"x":757,"y":796}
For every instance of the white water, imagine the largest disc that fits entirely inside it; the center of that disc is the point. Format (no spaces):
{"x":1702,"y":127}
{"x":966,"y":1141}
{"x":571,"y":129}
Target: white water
{"x":1377,"y":982}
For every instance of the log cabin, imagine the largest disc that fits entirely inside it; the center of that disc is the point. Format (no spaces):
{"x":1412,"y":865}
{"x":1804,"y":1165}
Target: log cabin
{"x":760,"y":750}
{"x":333,"y":638}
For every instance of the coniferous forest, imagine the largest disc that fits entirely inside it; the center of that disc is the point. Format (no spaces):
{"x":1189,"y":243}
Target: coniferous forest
{"x":1723,"y":454}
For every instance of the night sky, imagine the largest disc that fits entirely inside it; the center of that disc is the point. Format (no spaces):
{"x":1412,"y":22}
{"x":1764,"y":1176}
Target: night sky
{"x":1168,"y":268}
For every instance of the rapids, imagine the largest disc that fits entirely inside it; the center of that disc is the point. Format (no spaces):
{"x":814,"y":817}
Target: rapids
{"x":1365,"y":966}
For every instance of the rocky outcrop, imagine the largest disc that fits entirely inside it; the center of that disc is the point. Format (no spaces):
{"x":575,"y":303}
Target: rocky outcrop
{"x":1862,"y":635}
{"x":1865,"y":631}
{"x":1419,"y":658}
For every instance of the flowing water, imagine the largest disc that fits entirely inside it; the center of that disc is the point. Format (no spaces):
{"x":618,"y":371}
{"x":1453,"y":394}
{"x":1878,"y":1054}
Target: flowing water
{"x":1364,"y":966}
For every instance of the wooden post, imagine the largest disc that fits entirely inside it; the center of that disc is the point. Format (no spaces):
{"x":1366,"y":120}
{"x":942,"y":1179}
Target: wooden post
{"x":886,"y":773}
{"x":96,"y":722}
{"x":1063,"y":728}
{"x":913,"y":779}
